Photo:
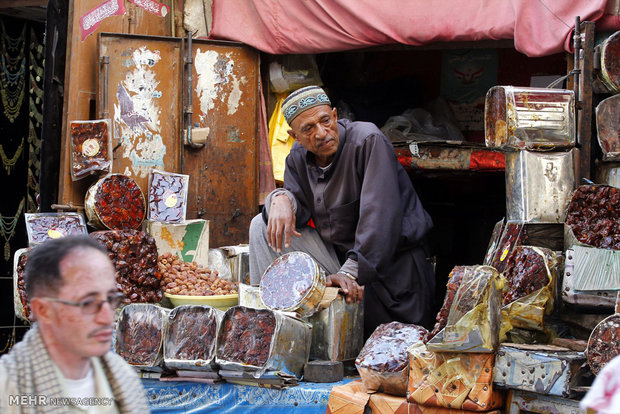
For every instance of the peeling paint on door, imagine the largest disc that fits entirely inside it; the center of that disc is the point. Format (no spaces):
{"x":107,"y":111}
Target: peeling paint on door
{"x":216,"y":81}
{"x":137,"y":111}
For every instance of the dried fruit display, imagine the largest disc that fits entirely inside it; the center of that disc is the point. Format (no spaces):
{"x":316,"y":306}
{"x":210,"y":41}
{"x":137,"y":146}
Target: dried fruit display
{"x":191,"y":334}
{"x":454,"y":281}
{"x":512,"y":236}
{"x":20,"y":271}
{"x":594,"y":216}
{"x":168,"y":196}
{"x":139,"y":333}
{"x":383,"y":361}
{"x":293,"y":281}
{"x":603,"y":343}
{"x":608,"y":124}
{"x":90,"y":148}
{"x":115,"y":202}
{"x":246,"y":336}
{"x":528,"y":272}
{"x":134,"y":254}
{"x":44,"y":226}
{"x":386,"y":349}
{"x":183,"y":278}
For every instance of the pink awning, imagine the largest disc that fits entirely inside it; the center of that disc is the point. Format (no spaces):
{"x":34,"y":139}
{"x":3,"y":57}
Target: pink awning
{"x":538,"y":27}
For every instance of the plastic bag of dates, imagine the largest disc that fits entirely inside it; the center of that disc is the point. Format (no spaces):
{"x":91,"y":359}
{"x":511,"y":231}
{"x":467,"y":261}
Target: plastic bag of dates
{"x":140,"y":330}
{"x":594,"y":216}
{"x":115,"y":202}
{"x":529,"y":288}
{"x":168,"y":196}
{"x":190,"y":339}
{"x":454,"y":281}
{"x":134,"y":255}
{"x":474,"y":318}
{"x":383,"y":361}
{"x":20,"y":299}
{"x":91,"y":148}
{"x":261,"y":340}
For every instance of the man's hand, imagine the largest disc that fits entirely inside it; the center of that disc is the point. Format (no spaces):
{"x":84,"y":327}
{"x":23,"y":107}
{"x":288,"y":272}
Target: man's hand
{"x":352,"y":291}
{"x":281,"y":223}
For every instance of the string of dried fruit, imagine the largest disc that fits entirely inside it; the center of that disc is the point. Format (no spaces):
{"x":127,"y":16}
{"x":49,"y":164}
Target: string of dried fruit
{"x":191,"y":333}
{"x":90,"y":150}
{"x":139,"y":335}
{"x":527,"y":272}
{"x":134,"y":254}
{"x":594,"y":216}
{"x":183,"y":278}
{"x":246,"y":336}
{"x":21,"y":285}
{"x":115,"y":202}
{"x":167,"y":197}
{"x":452,"y":287}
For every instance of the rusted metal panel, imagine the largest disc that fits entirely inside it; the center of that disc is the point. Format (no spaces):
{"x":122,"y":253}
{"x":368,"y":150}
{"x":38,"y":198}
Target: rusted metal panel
{"x":224,"y":173}
{"x":140,"y":92}
{"x":82,"y":65}
{"x":522,"y":402}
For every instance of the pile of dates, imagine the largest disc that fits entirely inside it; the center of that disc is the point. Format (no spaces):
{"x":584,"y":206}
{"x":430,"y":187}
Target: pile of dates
{"x":386,"y":349}
{"x":454,"y":281}
{"x":117,"y":201}
{"x":185,"y":278}
{"x":139,"y":334}
{"x":528,"y":272}
{"x":603,"y":343}
{"x":594,"y":216}
{"x":288,"y":280}
{"x":134,"y":255}
{"x":21,"y":284}
{"x":191,"y":333}
{"x":246,"y":336}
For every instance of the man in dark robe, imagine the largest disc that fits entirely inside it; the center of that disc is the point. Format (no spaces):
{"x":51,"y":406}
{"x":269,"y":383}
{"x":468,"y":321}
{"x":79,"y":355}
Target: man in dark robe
{"x":349,"y":203}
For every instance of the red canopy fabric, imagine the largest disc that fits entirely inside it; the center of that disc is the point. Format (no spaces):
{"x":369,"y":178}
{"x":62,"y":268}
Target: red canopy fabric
{"x":538,"y":27}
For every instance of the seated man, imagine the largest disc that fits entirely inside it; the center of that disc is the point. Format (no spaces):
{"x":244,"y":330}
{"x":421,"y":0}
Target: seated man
{"x":64,"y":363}
{"x":366,"y":221}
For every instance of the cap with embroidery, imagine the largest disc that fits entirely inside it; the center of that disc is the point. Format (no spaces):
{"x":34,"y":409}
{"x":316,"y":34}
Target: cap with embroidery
{"x":303,"y":99}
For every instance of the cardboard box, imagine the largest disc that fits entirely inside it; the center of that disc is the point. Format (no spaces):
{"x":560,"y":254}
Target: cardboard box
{"x":188,"y":240}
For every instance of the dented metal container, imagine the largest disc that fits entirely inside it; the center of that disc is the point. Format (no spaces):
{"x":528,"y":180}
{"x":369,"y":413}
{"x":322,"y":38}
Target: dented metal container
{"x":543,"y":369}
{"x":608,"y":127}
{"x":608,"y":173}
{"x":529,"y":118}
{"x":337,"y":331}
{"x":603,"y":299}
{"x":610,"y":62}
{"x":523,"y":402}
{"x":539,"y":185}
{"x":288,"y":347}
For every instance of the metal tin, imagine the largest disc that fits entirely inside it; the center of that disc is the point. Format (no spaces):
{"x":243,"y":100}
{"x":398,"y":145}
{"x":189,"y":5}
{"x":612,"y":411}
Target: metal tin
{"x":45,"y":226}
{"x":151,"y":314}
{"x":539,"y":185}
{"x":249,"y":296}
{"x":523,"y":402}
{"x":305,"y":290}
{"x":610,"y":62}
{"x":288,"y":351}
{"x":603,"y":343}
{"x":543,"y":369}
{"x":21,"y":311}
{"x":608,"y":173}
{"x":532,"y":118}
{"x":608,"y":126}
{"x":604,"y":299}
{"x":338,"y":331}
{"x":196,"y":331}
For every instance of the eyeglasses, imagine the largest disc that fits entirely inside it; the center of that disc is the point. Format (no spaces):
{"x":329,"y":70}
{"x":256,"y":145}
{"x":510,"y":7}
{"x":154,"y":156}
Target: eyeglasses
{"x":91,"y":306}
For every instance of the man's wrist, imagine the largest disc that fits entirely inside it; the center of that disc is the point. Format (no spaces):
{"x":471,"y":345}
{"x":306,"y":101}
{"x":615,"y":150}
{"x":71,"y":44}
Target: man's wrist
{"x":347,"y":274}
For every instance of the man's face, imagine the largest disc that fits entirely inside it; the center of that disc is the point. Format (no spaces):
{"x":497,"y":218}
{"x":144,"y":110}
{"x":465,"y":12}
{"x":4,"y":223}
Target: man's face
{"x":87,"y":274}
{"x":316,"y":129}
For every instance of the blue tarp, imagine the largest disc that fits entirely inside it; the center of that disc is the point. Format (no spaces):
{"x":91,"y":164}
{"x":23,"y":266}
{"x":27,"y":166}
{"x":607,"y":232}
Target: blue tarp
{"x":191,"y":397}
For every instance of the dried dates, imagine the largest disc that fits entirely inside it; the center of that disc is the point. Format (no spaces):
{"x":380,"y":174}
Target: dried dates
{"x":246,"y":336}
{"x":182,"y":278}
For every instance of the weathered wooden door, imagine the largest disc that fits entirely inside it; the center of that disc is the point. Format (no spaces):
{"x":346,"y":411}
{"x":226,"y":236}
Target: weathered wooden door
{"x":140,"y":90}
{"x":224,"y":173}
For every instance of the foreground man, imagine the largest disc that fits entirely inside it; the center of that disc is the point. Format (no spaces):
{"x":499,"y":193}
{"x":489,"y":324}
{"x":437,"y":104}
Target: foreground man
{"x":64,"y":363}
{"x":344,"y":179}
